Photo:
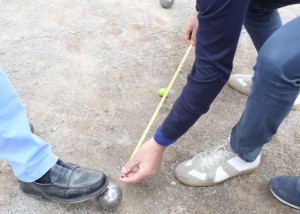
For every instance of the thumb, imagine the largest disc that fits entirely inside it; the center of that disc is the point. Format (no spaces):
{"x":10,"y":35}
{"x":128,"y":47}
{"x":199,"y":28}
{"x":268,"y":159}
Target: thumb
{"x":193,"y":38}
{"x":130,"y":165}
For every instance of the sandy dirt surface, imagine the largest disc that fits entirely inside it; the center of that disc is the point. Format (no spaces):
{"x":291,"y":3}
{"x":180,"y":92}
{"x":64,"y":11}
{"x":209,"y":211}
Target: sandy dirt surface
{"x":88,"y":73}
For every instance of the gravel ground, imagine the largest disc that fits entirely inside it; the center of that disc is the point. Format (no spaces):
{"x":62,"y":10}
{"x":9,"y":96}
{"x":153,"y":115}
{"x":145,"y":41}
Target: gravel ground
{"x":88,"y":73}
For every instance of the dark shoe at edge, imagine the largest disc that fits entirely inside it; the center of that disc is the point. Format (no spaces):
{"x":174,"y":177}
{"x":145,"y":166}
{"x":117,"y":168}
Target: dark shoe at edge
{"x":31,"y":128}
{"x":70,"y":183}
{"x":286,"y":189}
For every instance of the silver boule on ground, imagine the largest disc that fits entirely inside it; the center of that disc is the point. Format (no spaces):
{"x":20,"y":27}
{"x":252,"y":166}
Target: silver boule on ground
{"x":111,"y":198}
{"x":166,"y":3}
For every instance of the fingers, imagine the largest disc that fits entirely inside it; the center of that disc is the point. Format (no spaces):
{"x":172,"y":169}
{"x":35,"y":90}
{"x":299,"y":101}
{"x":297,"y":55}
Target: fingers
{"x":131,"y":165}
{"x":187,"y":36}
{"x":190,"y":40}
{"x":193,"y":40}
{"x":144,"y":163}
{"x":135,"y":175}
{"x":191,"y":29}
{"x":131,"y":171}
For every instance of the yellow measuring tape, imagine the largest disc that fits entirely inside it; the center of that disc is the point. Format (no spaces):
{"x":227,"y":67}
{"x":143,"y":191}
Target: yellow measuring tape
{"x":161,"y":101}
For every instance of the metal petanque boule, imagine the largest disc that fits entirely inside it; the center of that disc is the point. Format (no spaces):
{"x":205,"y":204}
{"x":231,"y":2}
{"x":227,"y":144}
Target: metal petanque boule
{"x":166,"y":3}
{"x":111,"y":198}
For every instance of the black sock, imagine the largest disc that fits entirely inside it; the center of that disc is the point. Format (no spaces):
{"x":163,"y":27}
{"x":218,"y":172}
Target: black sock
{"x":45,"y":179}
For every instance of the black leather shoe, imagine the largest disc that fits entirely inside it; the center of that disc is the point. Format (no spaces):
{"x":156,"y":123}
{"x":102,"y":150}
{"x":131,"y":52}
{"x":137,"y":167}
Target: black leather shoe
{"x":70,"y":183}
{"x":31,"y":127}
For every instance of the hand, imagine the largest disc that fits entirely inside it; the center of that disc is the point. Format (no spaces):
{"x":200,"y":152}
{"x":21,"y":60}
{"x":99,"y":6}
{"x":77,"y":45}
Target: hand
{"x":144,"y":163}
{"x":191,"y":29}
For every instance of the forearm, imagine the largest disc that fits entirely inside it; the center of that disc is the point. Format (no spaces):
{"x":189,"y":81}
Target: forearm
{"x":193,"y":102}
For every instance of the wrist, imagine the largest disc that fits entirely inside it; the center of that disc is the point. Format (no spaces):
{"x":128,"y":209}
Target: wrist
{"x":157,"y":147}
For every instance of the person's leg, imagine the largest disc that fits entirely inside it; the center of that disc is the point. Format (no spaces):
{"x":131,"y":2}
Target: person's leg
{"x":262,"y":19}
{"x":276,"y":85}
{"x":261,"y":23}
{"x":29,"y":156}
{"x":38,"y":170}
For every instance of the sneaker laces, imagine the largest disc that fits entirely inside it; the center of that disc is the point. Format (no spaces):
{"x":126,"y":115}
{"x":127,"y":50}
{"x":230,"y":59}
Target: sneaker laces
{"x":213,"y":156}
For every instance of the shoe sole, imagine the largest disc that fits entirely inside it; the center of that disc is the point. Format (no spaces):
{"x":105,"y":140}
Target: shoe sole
{"x":283,"y":201}
{"x":190,"y":183}
{"x":72,"y":200}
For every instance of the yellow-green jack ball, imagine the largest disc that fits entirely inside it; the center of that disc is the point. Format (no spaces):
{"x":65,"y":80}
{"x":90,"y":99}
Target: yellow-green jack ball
{"x":162,"y":91}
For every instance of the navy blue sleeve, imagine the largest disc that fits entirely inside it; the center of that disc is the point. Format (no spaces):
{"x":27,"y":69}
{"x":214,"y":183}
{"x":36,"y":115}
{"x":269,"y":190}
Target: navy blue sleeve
{"x":220,"y":23}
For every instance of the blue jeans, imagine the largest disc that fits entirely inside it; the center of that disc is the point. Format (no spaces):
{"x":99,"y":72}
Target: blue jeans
{"x":276,"y":81}
{"x":29,"y":156}
{"x":262,"y":19}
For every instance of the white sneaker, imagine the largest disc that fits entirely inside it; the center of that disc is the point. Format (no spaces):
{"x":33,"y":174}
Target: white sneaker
{"x":214,"y":166}
{"x":243,"y":82}
{"x":297,"y":103}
